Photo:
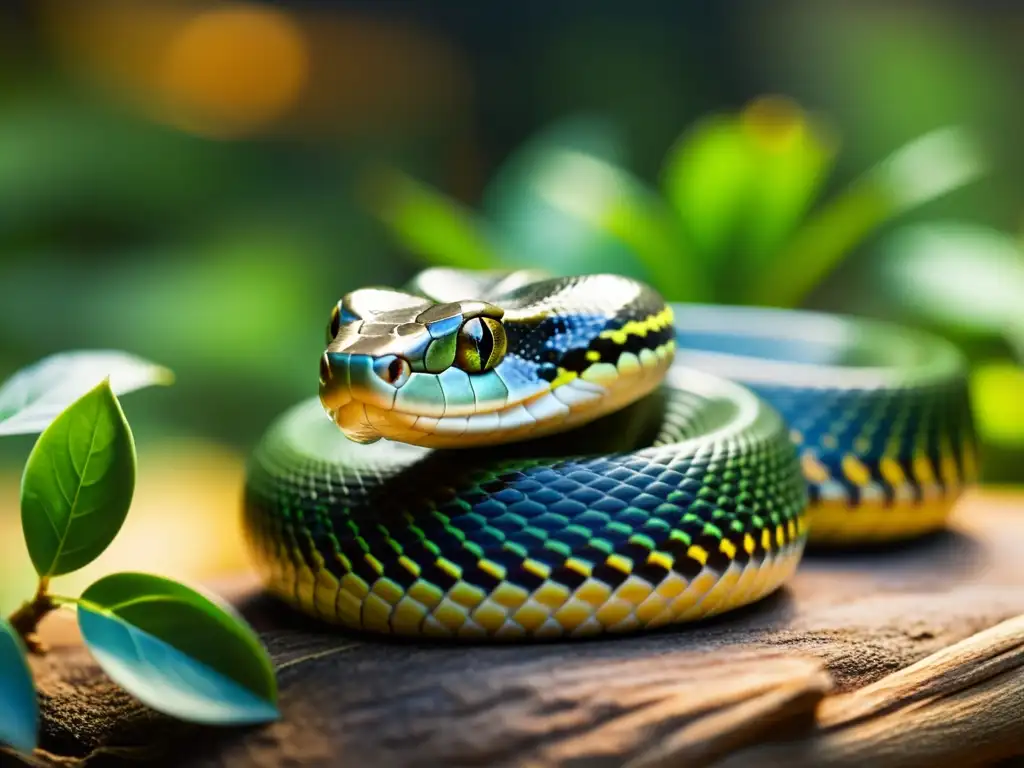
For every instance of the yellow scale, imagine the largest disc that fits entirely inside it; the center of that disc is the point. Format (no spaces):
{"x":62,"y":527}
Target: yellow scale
{"x":553,"y":608}
{"x":652,"y":323}
{"x":874,"y":519}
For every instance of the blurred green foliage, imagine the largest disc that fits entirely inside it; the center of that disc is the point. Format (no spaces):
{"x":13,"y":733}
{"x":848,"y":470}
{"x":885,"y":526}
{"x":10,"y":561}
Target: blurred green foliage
{"x":967,"y":282}
{"x":220,"y":261}
{"x":741,"y":218}
{"x":128,"y":220}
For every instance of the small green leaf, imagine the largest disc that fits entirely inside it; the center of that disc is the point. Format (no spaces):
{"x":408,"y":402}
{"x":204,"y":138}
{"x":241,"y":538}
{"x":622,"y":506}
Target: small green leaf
{"x":579,"y":213}
{"x":741,"y":182}
{"x":19,"y":709}
{"x":547,"y":201}
{"x":178,"y":651}
{"x":33,"y":396}
{"x":638,"y":218}
{"x":961,"y":275}
{"x":926,"y":168}
{"x":78,"y":484}
{"x":587,"y":133}
{"x":707,"y":178}
{"x":430,"y":225}
{"x":793,"y":153}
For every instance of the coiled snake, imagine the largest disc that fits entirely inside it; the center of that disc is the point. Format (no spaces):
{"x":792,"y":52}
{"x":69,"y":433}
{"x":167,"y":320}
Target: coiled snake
{"x":548,"y":470}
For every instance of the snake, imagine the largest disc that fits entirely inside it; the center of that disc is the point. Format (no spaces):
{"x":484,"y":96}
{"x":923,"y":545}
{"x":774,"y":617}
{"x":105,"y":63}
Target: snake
{"x":507,"y":455}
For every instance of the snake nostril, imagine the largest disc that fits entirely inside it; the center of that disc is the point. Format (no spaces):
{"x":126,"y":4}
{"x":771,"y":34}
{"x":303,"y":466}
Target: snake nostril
{"x":325,"y":369}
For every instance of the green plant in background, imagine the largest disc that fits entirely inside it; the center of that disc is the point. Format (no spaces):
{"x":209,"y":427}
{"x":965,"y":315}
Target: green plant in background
{"x":175,"y":238}
{"x":742,"y":217}
{"x":738,"y":219}
{"x":967,"y":281}
{"x":181,"y":652}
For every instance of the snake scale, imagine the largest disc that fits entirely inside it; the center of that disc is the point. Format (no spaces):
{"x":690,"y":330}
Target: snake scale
{"x":564,"y":457}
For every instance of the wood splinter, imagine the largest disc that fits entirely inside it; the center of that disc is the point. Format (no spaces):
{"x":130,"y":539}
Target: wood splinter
{"x":959,"y":706}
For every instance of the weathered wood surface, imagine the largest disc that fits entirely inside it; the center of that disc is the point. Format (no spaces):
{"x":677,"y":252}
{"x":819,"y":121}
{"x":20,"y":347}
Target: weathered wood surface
{"x":859,"y":661}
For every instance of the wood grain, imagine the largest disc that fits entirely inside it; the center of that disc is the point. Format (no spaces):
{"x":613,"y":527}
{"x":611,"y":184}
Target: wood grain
{"x":960,"y":706}
{"x":858,"y":661}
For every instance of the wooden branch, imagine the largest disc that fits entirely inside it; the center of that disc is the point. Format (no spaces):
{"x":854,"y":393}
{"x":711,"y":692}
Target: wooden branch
{"x":764,"y":709}
{"x":952,"y":670}
{"x":961,"y":706}
{"x":885,"y":658}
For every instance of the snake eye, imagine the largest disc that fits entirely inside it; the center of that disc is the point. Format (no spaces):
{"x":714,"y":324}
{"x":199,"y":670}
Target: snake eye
{"x":392,"y":370}
{"x":335,"y":325}
{"x":481,"y":345}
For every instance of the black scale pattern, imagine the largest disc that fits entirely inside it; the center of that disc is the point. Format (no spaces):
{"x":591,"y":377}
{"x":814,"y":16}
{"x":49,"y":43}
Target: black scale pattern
{"x":487,"y":506}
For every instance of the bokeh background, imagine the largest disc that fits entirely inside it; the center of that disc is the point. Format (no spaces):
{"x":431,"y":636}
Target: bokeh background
{"x":198,"y":182}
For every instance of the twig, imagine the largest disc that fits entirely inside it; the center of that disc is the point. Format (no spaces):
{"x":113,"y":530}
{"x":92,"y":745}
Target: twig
{"x":25,"y":620}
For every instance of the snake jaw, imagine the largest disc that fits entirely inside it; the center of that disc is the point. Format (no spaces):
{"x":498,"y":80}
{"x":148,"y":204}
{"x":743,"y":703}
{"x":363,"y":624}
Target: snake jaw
{"x":535,"y":412}
{"x":355,"y":430}
{"x":354,"y":422}
{"x":430,"y":415}
{"x":454,"y":409}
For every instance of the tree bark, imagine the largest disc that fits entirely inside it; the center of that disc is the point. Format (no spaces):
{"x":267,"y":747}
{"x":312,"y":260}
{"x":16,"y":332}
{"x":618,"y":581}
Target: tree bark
{"x":891,"y":657}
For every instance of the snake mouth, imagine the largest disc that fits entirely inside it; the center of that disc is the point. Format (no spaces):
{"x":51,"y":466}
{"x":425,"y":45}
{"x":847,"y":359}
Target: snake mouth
{"x":367,"y":401}
{"x":366,"y":418}
{"x":539,"y":414}
{"x":453,"y":409}
{"x":542,"y":411}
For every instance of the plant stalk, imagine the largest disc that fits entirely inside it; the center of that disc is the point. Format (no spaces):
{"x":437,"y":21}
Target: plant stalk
{"x":25,"y":620}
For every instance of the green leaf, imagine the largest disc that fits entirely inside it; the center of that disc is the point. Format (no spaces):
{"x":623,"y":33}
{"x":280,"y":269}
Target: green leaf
{"x":615,"y":203}
{"x":707,"y":177}
{"x":180,"y":652}
{"x":961,"y":275}
{"x":792,"y":154}
{"x":19,"y":709}
{"x":997,"y":394}
{"x":78,"y":484}
{"x":544,"y":210}
{"x":33,"y":396}
{"x":578,"y":213}
{"x":930,"y":166}
{"x":740,"y":183}
{"x":430,"y":225}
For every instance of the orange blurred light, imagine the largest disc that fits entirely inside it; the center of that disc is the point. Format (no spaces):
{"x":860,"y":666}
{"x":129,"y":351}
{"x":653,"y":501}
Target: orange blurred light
{"x":240,"y":69}
{"x":234,"y":69}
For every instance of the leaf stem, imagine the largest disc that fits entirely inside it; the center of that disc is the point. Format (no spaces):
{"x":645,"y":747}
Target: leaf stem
{"x":25,"y":620}
{"x":65,"y":600}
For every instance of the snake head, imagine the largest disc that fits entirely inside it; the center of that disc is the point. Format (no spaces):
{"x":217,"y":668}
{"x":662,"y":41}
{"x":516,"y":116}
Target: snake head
{"x":393,"y":358}
{"x":546,"y":356}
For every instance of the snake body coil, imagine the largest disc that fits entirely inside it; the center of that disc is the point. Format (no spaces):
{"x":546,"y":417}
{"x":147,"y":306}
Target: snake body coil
{"x":608,"y":489}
